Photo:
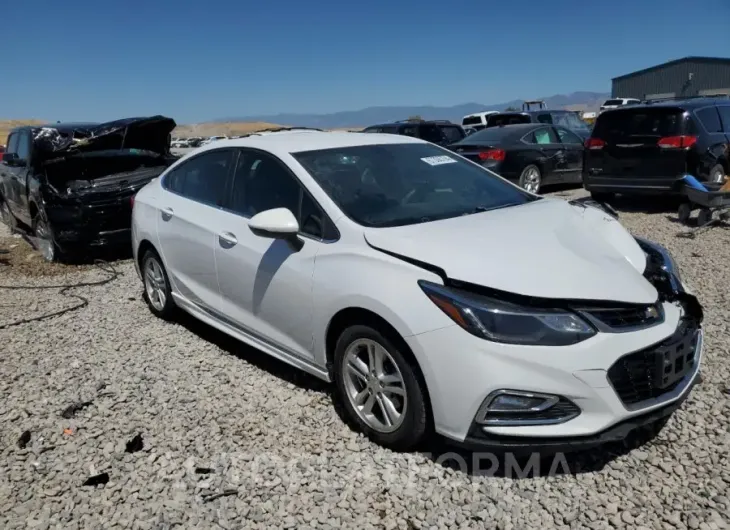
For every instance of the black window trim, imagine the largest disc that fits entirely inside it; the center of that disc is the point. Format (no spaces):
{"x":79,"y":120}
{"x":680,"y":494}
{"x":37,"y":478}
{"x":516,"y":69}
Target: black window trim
{"x":226,"y":189}
{"x":725,"y":126}
{"x":229,"y":194}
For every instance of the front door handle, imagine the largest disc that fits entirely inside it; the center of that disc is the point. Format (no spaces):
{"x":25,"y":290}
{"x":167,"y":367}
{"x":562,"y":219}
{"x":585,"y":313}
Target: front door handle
{"x":167,"y":213}
{"x":227,"y":238}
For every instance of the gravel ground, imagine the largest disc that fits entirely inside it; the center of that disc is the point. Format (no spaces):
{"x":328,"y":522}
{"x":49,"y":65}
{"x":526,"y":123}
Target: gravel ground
{"x":216,"y":417}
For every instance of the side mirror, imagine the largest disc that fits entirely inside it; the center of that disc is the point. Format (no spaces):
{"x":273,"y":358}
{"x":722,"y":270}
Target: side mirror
{"x":11,"y":159}
{"x":277,"y":223}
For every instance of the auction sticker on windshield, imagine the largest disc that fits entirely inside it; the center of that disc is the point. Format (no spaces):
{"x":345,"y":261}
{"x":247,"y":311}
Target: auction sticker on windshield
{"x":438,"y":160}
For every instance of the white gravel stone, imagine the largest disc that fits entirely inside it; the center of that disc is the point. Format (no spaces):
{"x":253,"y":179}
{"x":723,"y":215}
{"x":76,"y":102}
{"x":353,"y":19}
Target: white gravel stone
{"x":272,"y":439}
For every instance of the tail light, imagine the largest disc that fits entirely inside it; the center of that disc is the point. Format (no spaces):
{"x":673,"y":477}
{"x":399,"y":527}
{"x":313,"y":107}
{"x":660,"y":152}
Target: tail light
{"x":493,"y":154}
{"x":595,"y":143}
{"x":131,"y":201}
{"x":677,"y":142}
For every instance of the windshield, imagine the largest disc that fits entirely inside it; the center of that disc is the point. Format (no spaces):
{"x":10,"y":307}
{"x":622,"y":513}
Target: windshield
{"x":401,"y":184}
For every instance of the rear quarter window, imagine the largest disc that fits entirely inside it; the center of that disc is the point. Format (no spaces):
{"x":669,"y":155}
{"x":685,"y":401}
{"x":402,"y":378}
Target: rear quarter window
{"x":710,"y":119}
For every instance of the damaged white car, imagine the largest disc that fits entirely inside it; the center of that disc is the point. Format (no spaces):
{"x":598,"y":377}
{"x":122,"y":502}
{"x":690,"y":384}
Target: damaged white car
{"x":436,"y":295}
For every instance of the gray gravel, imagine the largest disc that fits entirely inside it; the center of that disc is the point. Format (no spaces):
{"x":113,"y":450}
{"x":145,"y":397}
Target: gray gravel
{"x":217,"y":417}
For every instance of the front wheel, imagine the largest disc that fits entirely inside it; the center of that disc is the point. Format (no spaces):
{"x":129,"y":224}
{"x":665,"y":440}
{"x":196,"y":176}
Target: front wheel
{"x":531,"y":179}
{"x":44,"y":239}
{"x":381,"y":390}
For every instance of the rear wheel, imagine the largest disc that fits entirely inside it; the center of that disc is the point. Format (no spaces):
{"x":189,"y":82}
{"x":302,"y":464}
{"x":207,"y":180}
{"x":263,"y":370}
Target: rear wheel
{"x":531,"y":179}
{"x":380,"y":388}
{"x":158,"y":293}
{"x":717,"y":174}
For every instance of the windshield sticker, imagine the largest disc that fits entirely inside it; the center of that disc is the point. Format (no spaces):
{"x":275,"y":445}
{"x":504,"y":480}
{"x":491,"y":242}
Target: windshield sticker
{"x":438,"y":160}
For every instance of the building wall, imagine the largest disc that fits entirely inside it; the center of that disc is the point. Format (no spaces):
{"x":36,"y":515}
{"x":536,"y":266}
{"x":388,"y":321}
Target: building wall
{"x":674,"y":80}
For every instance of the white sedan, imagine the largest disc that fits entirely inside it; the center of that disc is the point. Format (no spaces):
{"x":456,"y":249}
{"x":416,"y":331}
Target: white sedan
{"x":436,"y":295}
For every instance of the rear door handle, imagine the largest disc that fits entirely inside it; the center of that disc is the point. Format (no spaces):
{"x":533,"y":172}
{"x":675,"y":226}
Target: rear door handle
{"x":228,"y":238}
{"x":167,"y":213}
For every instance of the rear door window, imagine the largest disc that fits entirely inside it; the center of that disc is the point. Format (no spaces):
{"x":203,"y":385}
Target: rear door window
{"x":389,"y":129}
{"x":372,"y":130}
{"x":725,"y":117}
{"x":710,"y":119}
{"x":409,"y":130}
{"x":546,"y":135}
{"x":639,"y":125}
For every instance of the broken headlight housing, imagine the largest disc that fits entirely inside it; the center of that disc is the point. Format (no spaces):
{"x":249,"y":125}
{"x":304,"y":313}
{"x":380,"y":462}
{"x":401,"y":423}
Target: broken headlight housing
{"x":506,"y":322}
{"x":659,"y":256}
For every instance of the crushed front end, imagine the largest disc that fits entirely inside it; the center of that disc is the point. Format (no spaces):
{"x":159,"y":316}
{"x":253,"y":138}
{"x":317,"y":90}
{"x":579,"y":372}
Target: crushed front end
{"x":88,"y":177}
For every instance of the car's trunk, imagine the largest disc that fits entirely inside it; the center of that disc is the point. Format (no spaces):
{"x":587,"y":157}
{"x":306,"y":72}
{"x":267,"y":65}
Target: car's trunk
{"x":626,"y":143}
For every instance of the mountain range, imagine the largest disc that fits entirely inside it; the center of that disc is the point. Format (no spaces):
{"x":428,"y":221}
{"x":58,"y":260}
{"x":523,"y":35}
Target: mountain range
{"x":374,"y":115}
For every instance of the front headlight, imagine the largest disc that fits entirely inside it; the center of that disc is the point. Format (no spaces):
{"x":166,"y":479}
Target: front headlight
{"x":506,"y":322}
{"x":666,"y":261}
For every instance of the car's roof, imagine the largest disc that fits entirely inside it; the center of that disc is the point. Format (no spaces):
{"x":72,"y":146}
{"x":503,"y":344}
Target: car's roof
{"x":297,"y":141}
{"x":691,"y":103}
{"x":407,"y":123}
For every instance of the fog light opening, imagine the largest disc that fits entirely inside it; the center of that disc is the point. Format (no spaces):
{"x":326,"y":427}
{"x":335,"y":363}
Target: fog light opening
{"x":515,"y":408}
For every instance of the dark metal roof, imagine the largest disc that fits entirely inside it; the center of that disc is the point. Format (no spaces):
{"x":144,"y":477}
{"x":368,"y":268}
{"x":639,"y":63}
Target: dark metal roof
{"x":719,"y":60}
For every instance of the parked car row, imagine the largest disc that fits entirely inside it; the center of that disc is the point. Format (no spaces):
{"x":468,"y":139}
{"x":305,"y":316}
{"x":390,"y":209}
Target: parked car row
{"x":435,"y":295}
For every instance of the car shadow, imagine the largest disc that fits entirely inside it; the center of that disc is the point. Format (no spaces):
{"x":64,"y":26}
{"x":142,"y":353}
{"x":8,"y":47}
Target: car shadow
{"x":645,"y":204}
{"x":250,"y":354}
{"x":529,"y":465}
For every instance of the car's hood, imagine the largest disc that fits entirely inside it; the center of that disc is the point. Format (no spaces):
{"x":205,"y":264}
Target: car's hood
{"x":547,"y":249}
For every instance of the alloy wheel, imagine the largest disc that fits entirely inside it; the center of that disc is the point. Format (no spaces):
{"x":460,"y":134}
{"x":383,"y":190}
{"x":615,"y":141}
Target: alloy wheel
{"x":532,"y":180}
{"x":44,"y":240}
{"x":155,"y":284}
{"x":374,"y":385}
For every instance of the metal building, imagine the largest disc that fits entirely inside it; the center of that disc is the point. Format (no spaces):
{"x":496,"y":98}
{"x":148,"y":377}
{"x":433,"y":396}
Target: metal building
{"x":690,"y":76}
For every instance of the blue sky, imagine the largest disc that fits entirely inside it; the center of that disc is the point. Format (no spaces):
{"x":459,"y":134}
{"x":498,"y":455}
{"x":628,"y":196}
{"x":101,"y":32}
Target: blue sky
{"x":207,"y":59}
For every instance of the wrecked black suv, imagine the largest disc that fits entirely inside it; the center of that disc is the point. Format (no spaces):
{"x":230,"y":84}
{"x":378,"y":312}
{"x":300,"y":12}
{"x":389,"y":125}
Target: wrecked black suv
{"x":72,"y":185}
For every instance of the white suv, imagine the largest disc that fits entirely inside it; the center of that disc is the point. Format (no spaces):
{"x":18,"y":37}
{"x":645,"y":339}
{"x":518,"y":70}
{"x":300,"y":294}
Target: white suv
{"x":435,"y":294}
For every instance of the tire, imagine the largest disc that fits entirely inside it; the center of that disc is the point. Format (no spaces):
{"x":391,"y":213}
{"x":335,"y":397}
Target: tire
{"x":704,"y":217}
{"x":717,"y":174}
{"x":5,"y":216}
{"x":397,"y":372}
{"x":44,"y":238}
{"x":157,"y":290}
{"x":684,"y":212}
{"x":531,"y":179}
{"x":602,"y":196}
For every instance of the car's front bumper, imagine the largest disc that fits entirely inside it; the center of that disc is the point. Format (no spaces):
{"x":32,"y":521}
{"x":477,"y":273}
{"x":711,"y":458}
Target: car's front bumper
{"x":462,"y":370}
